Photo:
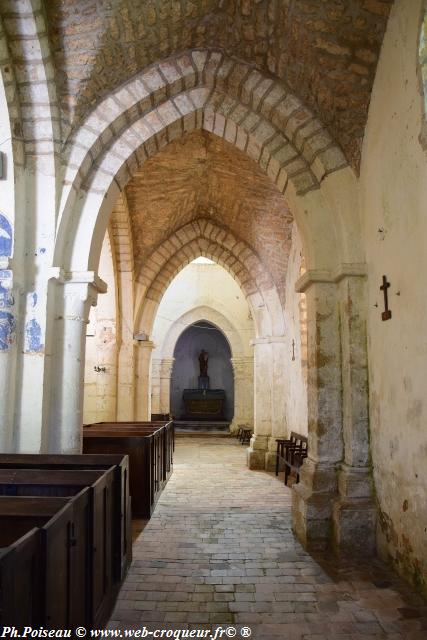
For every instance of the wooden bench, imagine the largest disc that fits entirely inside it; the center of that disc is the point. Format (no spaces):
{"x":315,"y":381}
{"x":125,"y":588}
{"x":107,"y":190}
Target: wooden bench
{"x":292,"y":453}
{"x":52,"y":536}
{"x":168,"y":442}
{"x":121,"y":528}
{"x":102,"y":552}
{"x":145,"y":445}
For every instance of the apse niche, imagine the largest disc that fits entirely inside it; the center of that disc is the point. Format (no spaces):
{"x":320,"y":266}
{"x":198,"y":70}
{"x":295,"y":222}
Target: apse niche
{"x":202,"y":336}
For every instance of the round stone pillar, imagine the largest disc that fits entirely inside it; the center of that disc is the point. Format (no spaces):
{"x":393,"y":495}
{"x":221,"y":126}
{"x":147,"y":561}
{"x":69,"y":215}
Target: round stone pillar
{"x":268,"y":397}
{"x":143,"y":352}
{"x":165,"y":375}
{"x":75,"y":293}
{"x":243,"y":370}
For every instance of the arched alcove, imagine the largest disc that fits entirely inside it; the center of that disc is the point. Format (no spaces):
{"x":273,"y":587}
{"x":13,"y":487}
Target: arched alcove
{"x":199,"y":336}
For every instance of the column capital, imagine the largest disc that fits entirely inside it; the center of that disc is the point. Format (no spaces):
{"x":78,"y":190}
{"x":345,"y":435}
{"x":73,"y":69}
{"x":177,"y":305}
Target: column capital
{"x":144,"y":344}
{"x":79,"y":286}
{"x":325,"y":276}
{"x":241,"y":360}
{"x":89,"y":278}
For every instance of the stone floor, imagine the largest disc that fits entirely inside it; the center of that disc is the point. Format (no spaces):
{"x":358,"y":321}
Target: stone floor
{"x":219,"y":550}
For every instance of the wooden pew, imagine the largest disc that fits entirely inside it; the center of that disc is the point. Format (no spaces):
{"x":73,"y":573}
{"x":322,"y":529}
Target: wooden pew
{"x":20,"y":578}
{"x":121,"y":529}
{"x":102,"y":552}
{"x":57,"y":549}
{"x":150,"y":448}
{"x":143,"y":449}
{"x":168,"y":442}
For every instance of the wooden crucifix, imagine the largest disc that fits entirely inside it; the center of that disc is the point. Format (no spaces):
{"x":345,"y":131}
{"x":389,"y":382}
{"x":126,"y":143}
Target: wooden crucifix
{"x":293,"y":349}
{"x":386,"y":314}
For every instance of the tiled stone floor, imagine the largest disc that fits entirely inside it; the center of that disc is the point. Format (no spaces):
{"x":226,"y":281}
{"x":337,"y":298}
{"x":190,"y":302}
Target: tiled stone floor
{"x":219,"y":550}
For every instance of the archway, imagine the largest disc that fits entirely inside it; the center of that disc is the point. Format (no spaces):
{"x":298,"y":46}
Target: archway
{"x":206,"y":91}
{"x":199,"y":293}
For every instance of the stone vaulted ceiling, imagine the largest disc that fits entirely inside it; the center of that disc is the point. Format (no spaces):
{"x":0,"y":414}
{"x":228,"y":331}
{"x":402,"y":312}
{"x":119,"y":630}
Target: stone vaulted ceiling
{"x":201,"y":175}
{"x":325,"y":50}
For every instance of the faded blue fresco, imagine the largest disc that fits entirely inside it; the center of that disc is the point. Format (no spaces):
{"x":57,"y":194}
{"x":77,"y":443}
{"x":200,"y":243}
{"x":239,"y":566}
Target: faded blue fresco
{"x":5,"y":237}
{"x":33,"y":334}
{"x":7,"y":330}
{"x":6,"y":296}
{"x":34,"y":299}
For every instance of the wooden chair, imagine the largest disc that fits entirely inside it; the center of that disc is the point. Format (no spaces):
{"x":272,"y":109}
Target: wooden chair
{"x":292,"y":452}
{"x":246,"y":434}
{"x":239,"y":431}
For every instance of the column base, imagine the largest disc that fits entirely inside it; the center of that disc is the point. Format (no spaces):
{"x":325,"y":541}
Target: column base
{"x":354,"y":512}
{"x":256,"y":453}
{"x":354,"y":526}
{"x":312,"y":503}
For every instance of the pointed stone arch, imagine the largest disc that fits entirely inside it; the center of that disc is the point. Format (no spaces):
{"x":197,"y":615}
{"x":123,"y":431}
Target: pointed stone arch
{"x":204,"y":237}
{"x":197,"y":314}
{"x":197,"y":90}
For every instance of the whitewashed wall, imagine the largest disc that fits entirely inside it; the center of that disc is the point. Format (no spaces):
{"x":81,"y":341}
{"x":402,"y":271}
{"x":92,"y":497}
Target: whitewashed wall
{"x":394,"y":204}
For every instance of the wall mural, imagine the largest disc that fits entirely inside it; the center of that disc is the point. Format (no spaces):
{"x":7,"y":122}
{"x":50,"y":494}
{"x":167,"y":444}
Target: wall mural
{"x":7,"y":320}
{"x":5,"y":237}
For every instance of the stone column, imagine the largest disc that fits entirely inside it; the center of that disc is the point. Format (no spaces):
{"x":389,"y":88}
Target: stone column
{"x":263,"y":394}
{"x":125,"y":362}
{"x":354,"y":513}
{"x":155,"y":385}
{"x":166,"y":366}
{"x":75,"y":293}
{"x":143,"y":351}
{"x":313,"y":497}
{"x":243,"y":369}
{"x":333,"y":504}
{"x":280,"y":365}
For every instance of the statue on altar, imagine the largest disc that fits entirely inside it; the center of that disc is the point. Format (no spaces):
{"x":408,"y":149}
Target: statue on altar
{"x":203,"y":403}
{"x":203,"y":363}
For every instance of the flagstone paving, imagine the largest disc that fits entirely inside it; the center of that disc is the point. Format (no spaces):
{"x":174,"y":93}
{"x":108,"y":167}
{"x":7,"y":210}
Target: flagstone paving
{"x":220,"y":550}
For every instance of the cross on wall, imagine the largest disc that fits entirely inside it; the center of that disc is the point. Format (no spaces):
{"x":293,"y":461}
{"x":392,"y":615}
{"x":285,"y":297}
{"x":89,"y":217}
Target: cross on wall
{"x":386,"y":314}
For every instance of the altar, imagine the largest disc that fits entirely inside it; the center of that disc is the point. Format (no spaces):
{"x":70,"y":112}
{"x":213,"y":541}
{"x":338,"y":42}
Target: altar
{"x":203,"y":404}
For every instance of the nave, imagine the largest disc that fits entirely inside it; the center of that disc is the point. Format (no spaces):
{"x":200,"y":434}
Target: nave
{"x":219,"y":550}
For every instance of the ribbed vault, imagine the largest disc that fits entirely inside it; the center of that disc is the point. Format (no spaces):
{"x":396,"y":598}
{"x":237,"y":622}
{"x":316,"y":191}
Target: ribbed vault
{"x":203,"y":238}
{"x":325,"y":51}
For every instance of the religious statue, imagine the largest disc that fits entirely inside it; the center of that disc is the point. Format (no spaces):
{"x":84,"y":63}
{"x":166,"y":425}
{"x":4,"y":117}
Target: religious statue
{"x":203,"y":362}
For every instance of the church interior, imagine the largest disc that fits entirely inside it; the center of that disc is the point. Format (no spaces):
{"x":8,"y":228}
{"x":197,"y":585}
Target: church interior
{"x":213,"y":227}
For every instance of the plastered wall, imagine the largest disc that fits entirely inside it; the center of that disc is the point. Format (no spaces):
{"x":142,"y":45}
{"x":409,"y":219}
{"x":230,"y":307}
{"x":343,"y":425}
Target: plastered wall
{"x":394,"y":205}
{"x":100,"y":387}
